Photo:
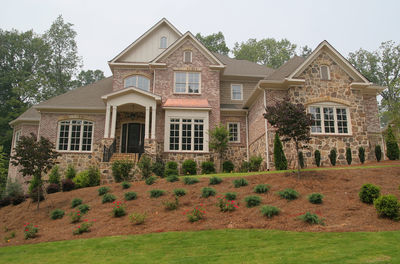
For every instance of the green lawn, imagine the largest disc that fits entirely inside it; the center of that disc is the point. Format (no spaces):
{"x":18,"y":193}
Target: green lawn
{"x":216,"y":246}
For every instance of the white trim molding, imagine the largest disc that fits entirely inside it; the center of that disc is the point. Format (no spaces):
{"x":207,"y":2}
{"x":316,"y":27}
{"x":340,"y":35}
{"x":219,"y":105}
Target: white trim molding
{"x":241,"y":91}
{"x":237,"y":124}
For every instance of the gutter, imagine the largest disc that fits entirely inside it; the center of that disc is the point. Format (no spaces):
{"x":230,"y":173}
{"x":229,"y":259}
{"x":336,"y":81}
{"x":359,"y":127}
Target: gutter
{"x":266,"y":135}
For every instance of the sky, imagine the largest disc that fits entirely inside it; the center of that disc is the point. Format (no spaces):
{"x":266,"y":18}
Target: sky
{"x":104,"y":27}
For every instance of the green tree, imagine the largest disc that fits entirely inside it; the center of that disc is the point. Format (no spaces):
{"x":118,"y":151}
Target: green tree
{"x":392,"y":146}
{"x":214,"y":42}
{"x":305,"y":51}
{"x":279,"y":156}
{"x":88,"y":77}
{"x":3,"y":170}
{"x":219,"y":138}
{"x":269,"y":52}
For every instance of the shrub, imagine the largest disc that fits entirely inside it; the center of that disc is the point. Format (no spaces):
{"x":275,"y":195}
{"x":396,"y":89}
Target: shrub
{"x":262,"y":188}
{"x":150,"y":180}
{"x":94,"y":176}
{"x":172,"y":178}
{"x":349,"y":157}
{"x":317,"y":157}
{"x":245,"y":167}
{"x":121,"y":169}
{"x":156,"y":193}
{"x":207,"y":192}
{"x":255,"y":163}
{"x":392,"y":148}
{"x":137,"y":219}
{"x":84,"y":208}
{"x":76,"y":216}
{"x":130,"y":196}
{"x":103,"y":190}
{"x":226,"y":205}
{"x":311,"y":218}
{"x":144,"y":165}
{"x":171,"y":205}
{"x":119,"y":209}
{"x":190,"y":180}
{"x":368,"y":193}
{"x":280,"y":160}
{"x":67,"y":185}
{"x":387,"y":206}
{"x":301,"y":159}
{"x":158,"y":168}
{"x":228,"y":166}
{"x":269,"y":211}
{"x":13,"y":193}
{"x":30,"y":230}
{"x":54,"y":176}
{"x":378,"y":153}
{"x":87,"y":178}
{"x":215,"y":180}
{"x":240,"y":182}
{"x":315,"y":198}
{"x":171,"y":168}
{"x":252,"y":201}
{"x":84,"y":227}
{"x":70,"y":173}
{"x":207,"y":167}
{"x":196,"y":214}
{"x":288,"y":194}
{"x":52,"y":188}
{"x":179,"y":192}
{"x":332,"y":157}
{"x":230,"y":196}
{"x":108,"y":198}
{"x":125,"y":185}
{"x":189,"y":167}
{"x":57,"y":214}
{"x":75,"y":202}
{"x":361,"y":154}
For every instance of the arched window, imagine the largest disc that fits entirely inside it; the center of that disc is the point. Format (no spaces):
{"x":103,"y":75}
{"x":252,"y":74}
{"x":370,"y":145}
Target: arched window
{"x":163,"y":42}
{"x":75,"y":135}
{"x":330,"y":118}
{"x":138,"y":81}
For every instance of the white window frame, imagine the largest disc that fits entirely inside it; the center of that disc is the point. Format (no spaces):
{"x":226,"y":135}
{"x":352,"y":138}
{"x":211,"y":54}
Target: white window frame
{"x":137,"y":82}
{"x":328,"y":71}
{"x":161,"y":42}
{"x":184,"y":56}
{"x":334,"y":106}
{"x":241,"y":91}
{"x":186,"y":114}
{"x":70,"y":134}
{"x":187,"y":82}
{"x":17,"y":137}
{"x":238,"y":131}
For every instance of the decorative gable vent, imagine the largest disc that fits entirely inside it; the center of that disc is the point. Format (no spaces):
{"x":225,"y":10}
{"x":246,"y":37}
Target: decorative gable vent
{"x":325,"y":74}
{"x":187,"y":56}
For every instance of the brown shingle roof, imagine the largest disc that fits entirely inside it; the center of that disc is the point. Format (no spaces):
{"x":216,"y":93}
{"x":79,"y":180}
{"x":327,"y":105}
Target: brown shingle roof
{"x":30,"y":115}
{"x":236,"y":67}
{"x":286,"y":69}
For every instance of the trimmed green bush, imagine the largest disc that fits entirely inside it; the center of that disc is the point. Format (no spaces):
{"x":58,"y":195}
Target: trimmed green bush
{"x":349,"y":157}
{"x":150,"y":180}
{"x":179,"y":192}
{"x":75,"y":202}
{"x":368,"y":193}
{"x":121,"y":169}
{"x":156,"y":193}
{"x":255,"y":163}
{"x":315,"y":198}
{"x":158,"y":168}
{"x":207,"y":192}
{"x":269,"y":211}
{"x":70,"y":173}
{"x":252,"y":201}
{"x":311,"y":219}
{"x":207,"y":167}
{"x":108,"y":198}
{"x":361,"y":154}
{"x":144,"y":165}
{"x":289,"y":194}
{"x":280,"y":160}
{"x":190,"y":180}
{"x":332,"y":157}
{"x":378,"y":153}
{"x":125,"y":185}
{"x":317,"y":157}
{"x":301,"y":159}
{"x":57,"y":214}
{"x":392,"y":147}
{"x":387,"y":206}
{"x":240,"y":182}
{"x":215,"y":180}
{"x":103,"y":190}
{"x":171,"y":168}
{"x":54,"y":176}
{"x":87,"y":178}
{"x":189,"y":167}
{"x":228,"y":166}
{"x":245,"y":167}
{"x":262,"y":188}
{"x":172,"y":178}
{"x":83,"y":208}
{"x":130,"y":196}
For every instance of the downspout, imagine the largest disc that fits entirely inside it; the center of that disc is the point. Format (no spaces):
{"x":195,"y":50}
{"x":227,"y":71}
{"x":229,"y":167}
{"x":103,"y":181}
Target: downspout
{"x":154,"y":80}
{"x":247,"y":135}
{"x":266,"y":134}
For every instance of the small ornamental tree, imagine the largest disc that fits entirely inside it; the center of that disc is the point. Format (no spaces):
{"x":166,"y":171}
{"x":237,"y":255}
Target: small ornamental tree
{"x":349,"y":157}
{"x":35,"y":157}
{"x":279,"y":156}
{"x":219,"y":138}
{"x":378,"y":153}
{"x":317,"y":156}
{"x":292,"y":122}
{"x":392,"y":147}
{"x":361,"y":154}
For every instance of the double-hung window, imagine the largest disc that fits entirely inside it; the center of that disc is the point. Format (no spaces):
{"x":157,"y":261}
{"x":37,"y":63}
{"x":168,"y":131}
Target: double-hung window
{"x":187,"y":82}
{"x":234,"y":132}
{"x":236,"y":92}
{"x":186,"y":134}
{"x":75,"y":135}
{"x":330,"y":119}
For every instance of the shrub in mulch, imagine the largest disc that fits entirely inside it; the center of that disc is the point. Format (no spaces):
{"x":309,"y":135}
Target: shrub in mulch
{"x":240,"y":182}
{"x":289,"y":194}
{"x":207,"y":192}
{"x":269,"y":211}
{"x":108,"y":198}
{"x":315,"y":198}
{"x":369,"y":192}
{"x":252,"y":201}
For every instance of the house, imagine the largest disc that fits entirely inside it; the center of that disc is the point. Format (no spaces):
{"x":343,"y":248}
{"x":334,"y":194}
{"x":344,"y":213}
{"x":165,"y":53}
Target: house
{"x":168,"y":91}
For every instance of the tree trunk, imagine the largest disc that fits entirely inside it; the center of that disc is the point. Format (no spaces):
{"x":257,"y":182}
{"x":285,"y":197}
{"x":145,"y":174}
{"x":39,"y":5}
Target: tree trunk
{"x":298,"y":160}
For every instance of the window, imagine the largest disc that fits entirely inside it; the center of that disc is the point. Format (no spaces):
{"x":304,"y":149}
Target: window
{"x":187,"y":82}
{"x":75,"y":135}
{"x":325,"y":74}
{"x":16,"y":137}
{"x":329,"y":119}
{"x":138,"y":81}
{"x":186,"y":134}
{"x":187,"y":57}
{"x":236,"y":92}
{"x":234,"y":132}
{"x":163,"y":42}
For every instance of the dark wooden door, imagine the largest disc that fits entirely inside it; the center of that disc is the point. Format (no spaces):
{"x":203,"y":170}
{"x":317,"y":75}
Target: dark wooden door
{"x":132,"y":140}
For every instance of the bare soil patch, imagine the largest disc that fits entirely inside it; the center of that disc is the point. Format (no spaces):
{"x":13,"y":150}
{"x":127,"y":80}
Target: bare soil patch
{"x":342,"y":209}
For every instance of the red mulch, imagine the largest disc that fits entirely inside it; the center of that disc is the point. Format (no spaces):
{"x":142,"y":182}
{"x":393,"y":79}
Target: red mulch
{"x":342,"y":209}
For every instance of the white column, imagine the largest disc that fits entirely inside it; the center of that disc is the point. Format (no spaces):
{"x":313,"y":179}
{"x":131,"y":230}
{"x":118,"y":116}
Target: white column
{"x":107,"y":125}
{"x":113,"y":121}
{"x":147,"y":122}
{"x":153,"y":122}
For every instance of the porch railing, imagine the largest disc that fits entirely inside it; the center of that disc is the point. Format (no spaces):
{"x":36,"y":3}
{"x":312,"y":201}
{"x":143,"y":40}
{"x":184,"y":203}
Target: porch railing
{"x":109,"y":151}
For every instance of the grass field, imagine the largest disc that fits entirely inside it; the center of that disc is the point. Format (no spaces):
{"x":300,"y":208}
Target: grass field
{"x":216,"y":246}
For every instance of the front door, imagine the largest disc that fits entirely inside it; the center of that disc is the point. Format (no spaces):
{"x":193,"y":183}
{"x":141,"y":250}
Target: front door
{"x":132,"y":140}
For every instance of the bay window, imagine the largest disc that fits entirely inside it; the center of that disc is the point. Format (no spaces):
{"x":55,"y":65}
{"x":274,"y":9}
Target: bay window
{"x":330,"y":119}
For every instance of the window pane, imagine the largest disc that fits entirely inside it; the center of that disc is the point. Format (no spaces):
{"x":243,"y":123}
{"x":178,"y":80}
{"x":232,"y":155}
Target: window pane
{"x":186,"y":136}
{"x":198,"y":135}
{"x":143,"y":83}
{"x":316,"y":119}
{"x":130,"y":81}
{"x":341,"y":117}
{"x":74,"y":133}
{"x":236,"y":92}
{"x":75,"y":137}
{"x":187,"y":56}
{"x":63,"y":137}
{"x":180,"y":82}
{"x":163,"y":43}
{"x":194,"y":82}
{"x":329,"y":120}
{"x":174,"y":134}
{"x":233,"y":132}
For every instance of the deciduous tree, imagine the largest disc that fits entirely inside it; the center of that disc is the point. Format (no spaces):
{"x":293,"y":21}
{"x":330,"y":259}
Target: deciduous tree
{"x":219,"y":138}
{"x":214,"y":42}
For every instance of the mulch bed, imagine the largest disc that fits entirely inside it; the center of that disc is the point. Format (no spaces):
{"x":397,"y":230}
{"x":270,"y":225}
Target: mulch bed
{"x":342,"y":209}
